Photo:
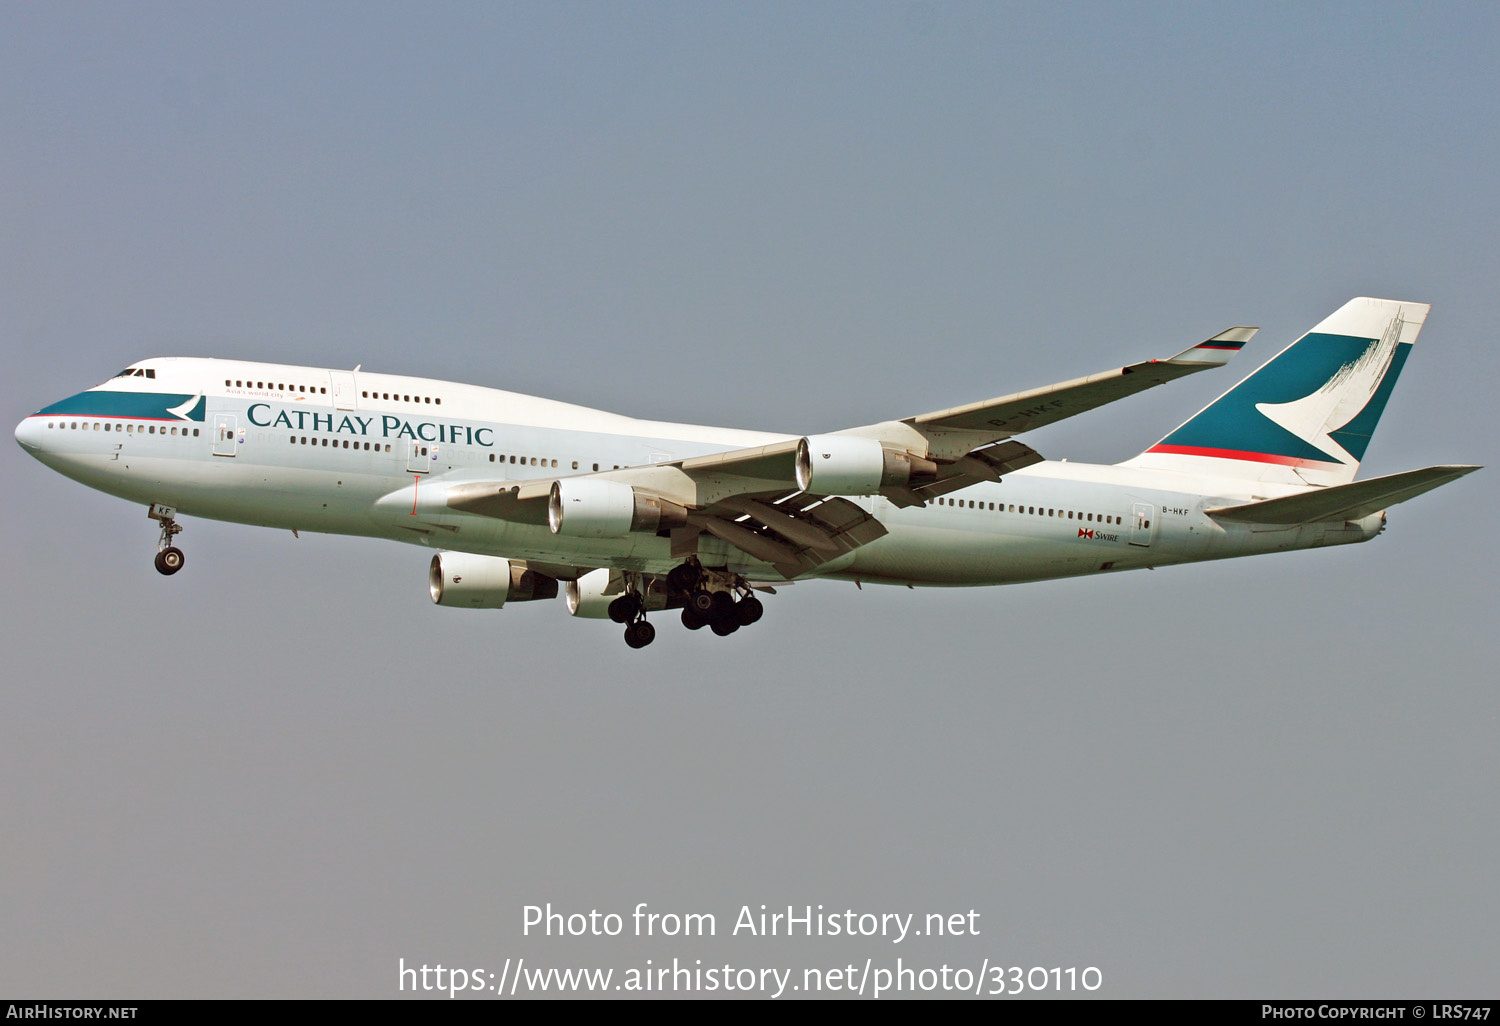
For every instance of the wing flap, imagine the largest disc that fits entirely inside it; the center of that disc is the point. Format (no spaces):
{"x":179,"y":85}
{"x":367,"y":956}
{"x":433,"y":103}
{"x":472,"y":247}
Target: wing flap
{"x":797,"y":535}
{"x":1351,"y":501}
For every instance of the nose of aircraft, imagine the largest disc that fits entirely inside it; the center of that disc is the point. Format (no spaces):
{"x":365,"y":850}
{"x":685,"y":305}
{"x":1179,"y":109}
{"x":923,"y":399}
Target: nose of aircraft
{"x":28,"y":433}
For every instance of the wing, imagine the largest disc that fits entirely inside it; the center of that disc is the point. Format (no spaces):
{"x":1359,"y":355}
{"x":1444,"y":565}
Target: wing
{"x":948,"y":434}
{"x":785,"y":503}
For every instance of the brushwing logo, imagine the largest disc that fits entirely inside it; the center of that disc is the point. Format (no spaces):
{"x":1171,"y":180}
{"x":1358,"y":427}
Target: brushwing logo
{"x":186,"y":410}
{"x":1315,"y":418}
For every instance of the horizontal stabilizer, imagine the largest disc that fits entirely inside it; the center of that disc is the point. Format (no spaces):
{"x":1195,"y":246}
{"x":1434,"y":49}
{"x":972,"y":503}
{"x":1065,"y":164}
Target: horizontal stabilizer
{"x":1342,"y":502}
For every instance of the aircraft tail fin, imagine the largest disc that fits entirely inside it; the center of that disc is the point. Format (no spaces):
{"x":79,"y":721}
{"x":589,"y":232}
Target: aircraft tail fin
{"x":1353,"y":501}
{"x":1307,"y":414}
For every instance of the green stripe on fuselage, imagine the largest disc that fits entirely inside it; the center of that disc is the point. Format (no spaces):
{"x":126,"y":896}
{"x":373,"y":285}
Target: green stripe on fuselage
{"x":127,"y":405}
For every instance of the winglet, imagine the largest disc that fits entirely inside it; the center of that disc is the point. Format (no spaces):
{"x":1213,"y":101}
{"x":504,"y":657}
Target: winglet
{"x":1218,"y":350}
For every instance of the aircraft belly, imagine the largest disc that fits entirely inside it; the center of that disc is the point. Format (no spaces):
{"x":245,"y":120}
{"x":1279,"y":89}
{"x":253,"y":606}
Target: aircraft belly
{"x":957,"y":557}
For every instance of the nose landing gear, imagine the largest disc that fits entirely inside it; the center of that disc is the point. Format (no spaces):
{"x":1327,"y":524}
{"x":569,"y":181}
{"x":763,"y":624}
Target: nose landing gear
{"x":169,"y":558}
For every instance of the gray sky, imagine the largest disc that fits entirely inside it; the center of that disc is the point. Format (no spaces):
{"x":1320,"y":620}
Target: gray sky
{"x":282,"y":770}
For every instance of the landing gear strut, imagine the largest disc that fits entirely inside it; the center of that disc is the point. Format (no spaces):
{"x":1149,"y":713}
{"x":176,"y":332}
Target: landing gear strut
{"x":630,"y":609}
{"x":169,"y":558}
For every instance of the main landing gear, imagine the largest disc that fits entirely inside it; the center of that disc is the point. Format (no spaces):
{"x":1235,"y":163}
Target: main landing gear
{"x":722,"y":602}
{"x":169,"y":558}
{"x":720,"y":612}
{"x":716,"y":599}
{"x":630,"y":609}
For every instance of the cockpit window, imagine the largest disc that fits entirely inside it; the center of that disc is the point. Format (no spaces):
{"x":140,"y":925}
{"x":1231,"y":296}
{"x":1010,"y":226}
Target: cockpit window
{"x":137,"y":372}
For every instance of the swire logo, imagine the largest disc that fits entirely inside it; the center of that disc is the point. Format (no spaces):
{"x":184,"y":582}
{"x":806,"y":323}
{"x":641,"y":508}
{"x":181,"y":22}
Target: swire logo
{"x":1085,"y":534}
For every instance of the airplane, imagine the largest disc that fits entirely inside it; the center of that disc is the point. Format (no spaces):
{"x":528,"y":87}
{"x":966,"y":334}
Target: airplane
{"x":523,"y":496}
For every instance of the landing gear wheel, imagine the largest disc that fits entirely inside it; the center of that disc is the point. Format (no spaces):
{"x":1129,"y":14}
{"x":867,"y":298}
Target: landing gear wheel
{"x":684,"y":577}
{"x":701,"y":601}
{"x":692,"y":620}
{"x":640,"y":634}
{"x":725,"y":626}
{"x":722,"y":605}
{"x":169,"y":560}
{"x":749,"y":610}
{"x":624,"y":608}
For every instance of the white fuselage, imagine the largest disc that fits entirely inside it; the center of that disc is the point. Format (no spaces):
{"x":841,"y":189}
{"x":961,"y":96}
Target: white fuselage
{"x":374,"y":454}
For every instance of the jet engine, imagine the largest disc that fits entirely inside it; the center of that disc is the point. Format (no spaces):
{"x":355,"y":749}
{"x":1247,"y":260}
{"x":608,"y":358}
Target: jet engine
{"x":591,"y":508}
{"x":849,"y":465}
{"x":471,"y":581}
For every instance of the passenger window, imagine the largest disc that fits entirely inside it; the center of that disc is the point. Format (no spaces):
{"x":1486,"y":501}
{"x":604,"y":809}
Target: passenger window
{"x":439,"y":401}
{"x":195,"y":432}
{"x":428,"y":401}
{"x":554,"y":464}
{"x":364,"y":395}
{"x":596,"y":468}
{"x":575,"y":464}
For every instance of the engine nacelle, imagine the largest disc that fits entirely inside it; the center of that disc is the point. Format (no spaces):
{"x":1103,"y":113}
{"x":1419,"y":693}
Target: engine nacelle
{"x":582,"y":507}
{"x":849,"y":465}
{"x":586,"y":597}
{"x":470,"y":581}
